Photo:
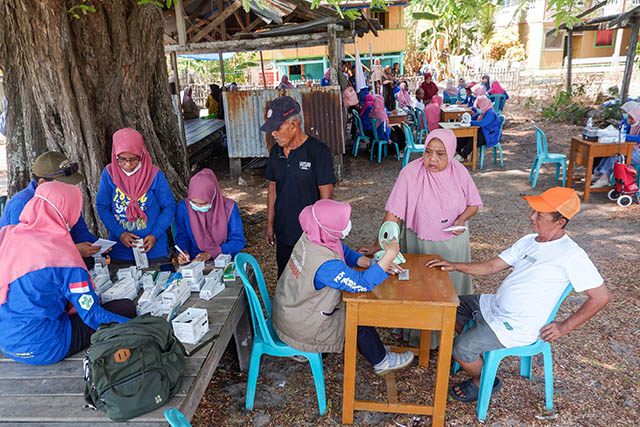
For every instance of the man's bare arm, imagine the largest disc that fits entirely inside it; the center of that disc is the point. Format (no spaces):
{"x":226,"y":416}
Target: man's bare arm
{"x":482,"y":268}
{"x":326,"y":191}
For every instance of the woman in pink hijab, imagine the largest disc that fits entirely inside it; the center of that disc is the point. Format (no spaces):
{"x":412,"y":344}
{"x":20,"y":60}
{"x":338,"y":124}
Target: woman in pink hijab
{"x":308,"y":312}
{"x":189,"y":108}
{"x":432,"y":113}
{"x":134,"y":200}
{"x":379,"y":112}
{"x":490,"y":128}
{"x":432,"y":200}
{"x":42,"y":276}
{"x":403,"y":97}
{"x":285,"y":83}
{"x":207,"y":223}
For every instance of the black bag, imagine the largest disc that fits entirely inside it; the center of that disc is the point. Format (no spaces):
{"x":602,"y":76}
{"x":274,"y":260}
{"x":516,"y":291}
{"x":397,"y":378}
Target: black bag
{"x":132,"y":368}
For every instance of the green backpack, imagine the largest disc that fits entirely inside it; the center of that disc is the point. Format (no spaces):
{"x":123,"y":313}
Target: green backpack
{"x":132,"y":368}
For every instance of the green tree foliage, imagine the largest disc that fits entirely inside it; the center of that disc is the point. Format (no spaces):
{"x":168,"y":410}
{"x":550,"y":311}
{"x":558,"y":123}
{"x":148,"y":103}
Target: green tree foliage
{"x":234,"y":68}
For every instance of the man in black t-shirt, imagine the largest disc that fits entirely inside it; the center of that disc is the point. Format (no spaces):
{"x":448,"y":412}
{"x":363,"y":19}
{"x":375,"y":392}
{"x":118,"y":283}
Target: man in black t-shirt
{"x":300,"y":172}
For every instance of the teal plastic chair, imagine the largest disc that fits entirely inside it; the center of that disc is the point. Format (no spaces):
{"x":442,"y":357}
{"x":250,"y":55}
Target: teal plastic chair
{"x":380,"y":142}
{"x":265,"y":340}
{"x":423,"y":129}
{"x":410,"y":146}
{"x":175,"y":418}
{"x":360,"y":136}
{"x":498,"y":99}
{"x":492,"y":360}
{"x":543,"y":156}
{"x":3,"y":201}
{"x":496,"y":148}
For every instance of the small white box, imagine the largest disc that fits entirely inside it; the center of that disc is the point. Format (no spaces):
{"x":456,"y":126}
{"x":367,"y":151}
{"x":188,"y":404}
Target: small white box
{"x":147,"y":280}
{"x":210,"y":289}
{"x":152,"y":306}
{"x":193,"y":270}
{"x":102,"y":283}
{"x":190,"y":326}
{"x":222,"y":260}
{"x":162,"y":278}
{"x":177,"y":293}
{"x":123,"y":289}
{"x":194,"y":284}
{"x":140,"y":257}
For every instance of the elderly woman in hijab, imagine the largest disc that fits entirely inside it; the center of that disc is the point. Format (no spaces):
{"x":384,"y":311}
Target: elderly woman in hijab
{"x":285,"y":83}
{"x":207,"y":223}
{"x":432,"y":200}
{"x":488,"y":121}
{"x":42,"y":273}
{"x":189,"y":108}
{"x":134,"y":200}
{"x":308,"y":312}
{"x":432,"y":113}
{"x":602,"y":173}
{"x":450,"y":94}
{"x":379,"y":112}
{"x":213,"y":99}
{"x":429,"y":87}
{"x":404,"y":97}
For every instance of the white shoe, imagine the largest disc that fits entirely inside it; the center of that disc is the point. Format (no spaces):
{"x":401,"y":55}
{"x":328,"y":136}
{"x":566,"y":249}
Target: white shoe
{"x":393,"y":361}
{"x":595,"y":177}
{"x":459,"y":158}
{"x":602,"y":182}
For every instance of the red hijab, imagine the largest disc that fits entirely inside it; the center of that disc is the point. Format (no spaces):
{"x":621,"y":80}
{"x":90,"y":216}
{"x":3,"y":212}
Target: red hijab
{"x":129,"y":140}
{"x":42,"y":237}
{"x":430,"y":89}
{"x":209,"y":228}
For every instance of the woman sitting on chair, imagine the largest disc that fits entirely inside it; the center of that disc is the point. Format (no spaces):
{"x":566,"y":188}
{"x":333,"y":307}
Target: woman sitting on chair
{"x":308,"y":312}
{"x":489,"y":124}
{"x":379,"y":112}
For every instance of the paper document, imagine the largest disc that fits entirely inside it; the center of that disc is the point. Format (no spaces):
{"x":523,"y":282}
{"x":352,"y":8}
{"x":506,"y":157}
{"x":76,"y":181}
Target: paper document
{"x":104,"y":245}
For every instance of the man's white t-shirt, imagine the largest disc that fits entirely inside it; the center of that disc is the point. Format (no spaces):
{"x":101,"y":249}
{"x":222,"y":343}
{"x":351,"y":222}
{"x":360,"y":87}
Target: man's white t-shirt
{"x":526,"y":298}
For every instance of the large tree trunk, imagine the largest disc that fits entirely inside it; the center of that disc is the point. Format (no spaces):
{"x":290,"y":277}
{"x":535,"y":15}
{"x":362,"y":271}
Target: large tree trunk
{"x":71,"y":83}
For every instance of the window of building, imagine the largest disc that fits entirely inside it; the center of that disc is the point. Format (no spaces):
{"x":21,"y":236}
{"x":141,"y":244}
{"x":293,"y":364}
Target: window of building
{"x":382,"y":17}
{"x":553,"y":41}
{"x":604,"y":38}
{"x":295,"y":70}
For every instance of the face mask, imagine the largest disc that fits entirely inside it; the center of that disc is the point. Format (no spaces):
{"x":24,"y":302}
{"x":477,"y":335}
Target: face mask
{"x":133,"y":171}
{"x":197,"y":208}
{"x":54,"y":207}
{"x":625,"y":116}
{"x":479,"y":111}
{"x":344,"y":233}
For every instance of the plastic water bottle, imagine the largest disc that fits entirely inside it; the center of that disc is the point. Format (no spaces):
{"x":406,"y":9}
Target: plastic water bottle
{"x":590,"y":122}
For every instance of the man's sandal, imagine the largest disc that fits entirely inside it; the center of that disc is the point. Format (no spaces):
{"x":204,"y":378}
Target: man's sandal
{"x":470,"y":390}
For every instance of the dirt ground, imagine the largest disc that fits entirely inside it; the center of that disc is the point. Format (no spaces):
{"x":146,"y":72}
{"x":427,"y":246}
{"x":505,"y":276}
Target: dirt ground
{"x":596,"y":367}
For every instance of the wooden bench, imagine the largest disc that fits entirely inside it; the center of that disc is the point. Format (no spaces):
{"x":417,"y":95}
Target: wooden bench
{"x":52,"y":395}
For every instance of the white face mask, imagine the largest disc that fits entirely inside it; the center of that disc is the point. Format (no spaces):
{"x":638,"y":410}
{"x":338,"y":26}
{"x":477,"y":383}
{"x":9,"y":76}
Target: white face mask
{"x":344,"y":232}
{"x":57,"y":210}
{"x":133,"y":171}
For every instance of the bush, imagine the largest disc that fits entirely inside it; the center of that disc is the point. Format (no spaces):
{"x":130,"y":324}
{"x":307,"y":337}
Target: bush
{"x":568,"y":107}
{"x":505,"y":44}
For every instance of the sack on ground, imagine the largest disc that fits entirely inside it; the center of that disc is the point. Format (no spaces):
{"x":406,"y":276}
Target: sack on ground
{"x":133,"y":368}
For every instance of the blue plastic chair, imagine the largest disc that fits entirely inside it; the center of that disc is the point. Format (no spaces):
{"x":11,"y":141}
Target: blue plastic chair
{"x":410,"y":146}
{"x":423,"y":129}
{"x":175,"y":418}
{"x":543,"y":156}
{"x":496,"y":147}
{"x":492,"y":360}
{"x":265,"y":340}
{"x":3,"y":201}
{"x":498,"y":99}
{"x":380,"y":142}
{"x":359,"y":132}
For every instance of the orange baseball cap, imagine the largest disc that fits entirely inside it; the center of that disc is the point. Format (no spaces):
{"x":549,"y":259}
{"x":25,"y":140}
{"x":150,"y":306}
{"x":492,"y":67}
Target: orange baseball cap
{"x":556,"y":199}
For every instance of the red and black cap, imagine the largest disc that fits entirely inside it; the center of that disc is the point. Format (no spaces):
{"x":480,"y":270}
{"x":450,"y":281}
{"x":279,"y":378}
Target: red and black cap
{"x":278,"y":111}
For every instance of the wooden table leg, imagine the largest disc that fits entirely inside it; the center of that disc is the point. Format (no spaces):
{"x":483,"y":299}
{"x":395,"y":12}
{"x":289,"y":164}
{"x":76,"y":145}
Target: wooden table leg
{"x":444,"y":363}
{"x":475,"y":142}
{"x":587,"y":178}
{"x":572,"y":155}
{"x":349,"y":386}
{"x":425,"y":348}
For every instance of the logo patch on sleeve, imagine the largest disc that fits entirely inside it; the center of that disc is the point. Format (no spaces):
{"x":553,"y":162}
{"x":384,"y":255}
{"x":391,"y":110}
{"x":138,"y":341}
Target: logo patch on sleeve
{"x":86,"y":301}
{"x":79,"y":287}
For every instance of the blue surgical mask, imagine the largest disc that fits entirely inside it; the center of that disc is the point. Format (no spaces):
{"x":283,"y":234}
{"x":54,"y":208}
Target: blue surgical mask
{"x":197,"y":208}
{"x":479,"y":111}
{"x":625,"y":116}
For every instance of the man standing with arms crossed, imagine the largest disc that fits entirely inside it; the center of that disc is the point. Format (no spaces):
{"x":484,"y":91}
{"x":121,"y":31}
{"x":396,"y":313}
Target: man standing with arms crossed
{"x":300,"y":172}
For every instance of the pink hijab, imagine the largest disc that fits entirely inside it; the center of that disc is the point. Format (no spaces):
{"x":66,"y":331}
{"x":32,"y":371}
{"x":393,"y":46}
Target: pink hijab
{"x":368,"y":102}
{"x":186,"y":96}
{"x":324,"y":221}
{"x":285,"y":83}
{"x":483,"y":103}
{"x":378,"y":111}
{"x":432,"y":112}
{"x":496,"y":88}
{"x":479,"y":90}
{"x":129,"y":140}
{"x":635,"y":128}
{"x":428,"y":202}
{"x":327,"y":74}
{"x":404,"y":99}
{"x":42,"y":238}
{"x":209,"y":228}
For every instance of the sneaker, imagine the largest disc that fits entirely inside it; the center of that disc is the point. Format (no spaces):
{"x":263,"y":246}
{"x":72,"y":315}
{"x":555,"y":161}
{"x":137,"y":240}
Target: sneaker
{"x":459,"y":158}
{"x":595,"y":177}
{"x":603,"y":181}
{"x":393,"y":361}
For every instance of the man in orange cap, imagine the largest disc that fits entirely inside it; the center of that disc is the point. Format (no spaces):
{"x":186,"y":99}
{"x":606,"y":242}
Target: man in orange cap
{"x":544,"y":264}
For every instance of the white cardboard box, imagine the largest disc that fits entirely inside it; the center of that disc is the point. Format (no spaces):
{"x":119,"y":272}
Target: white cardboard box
{"x":222,"y":260}
{"x":211,"y":289}
{"x":177,"y":293}
{"x":123,"y":289}
{"x":193,"y":270}
{"x":190,"y":326}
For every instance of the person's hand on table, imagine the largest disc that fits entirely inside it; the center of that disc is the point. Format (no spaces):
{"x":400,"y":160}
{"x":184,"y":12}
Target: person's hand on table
{"x":86,"y":249}
{"x":395,"y":269}
{"x":128,"y":239}
{"x":182,"y":259}
{"x":148,"y":243}
{"x":441,"y":263}
{"x":552,"y":331}
{"x":203,"y":256}
{"x":270,"y":236}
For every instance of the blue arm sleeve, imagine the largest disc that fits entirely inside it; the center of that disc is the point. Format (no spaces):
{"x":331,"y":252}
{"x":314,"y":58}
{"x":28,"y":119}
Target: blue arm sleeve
{"x":235,"y":234}
{"x":182,"y":238}
{"x":80,"y":233}
{"x":486,"y":120}
{"x":337,"y":275}
{"x":167,"y":206}
{"x":104,"y":205}
{"x":86,"y":303}
{"x":633,"y":138}
{"x":12,"y":211}
{"x":351,"y":257}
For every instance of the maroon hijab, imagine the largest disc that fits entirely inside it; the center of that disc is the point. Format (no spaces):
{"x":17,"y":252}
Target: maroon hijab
{"x":209,"y":228}
{"x":430,"y":89}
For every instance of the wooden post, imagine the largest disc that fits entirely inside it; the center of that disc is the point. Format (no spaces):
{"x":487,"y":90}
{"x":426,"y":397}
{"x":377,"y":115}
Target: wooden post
{"x":334,"y":60}
{"x":221,"y":67}
{"x":264,"y":78}
{"x":182,"y":29}
{"x":174,"y":66}
{"x":569,"y":57}
{"x":628,"y":66}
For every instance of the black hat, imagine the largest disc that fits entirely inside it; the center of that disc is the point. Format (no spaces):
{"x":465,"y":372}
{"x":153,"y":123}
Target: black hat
{"x":278,"y":111}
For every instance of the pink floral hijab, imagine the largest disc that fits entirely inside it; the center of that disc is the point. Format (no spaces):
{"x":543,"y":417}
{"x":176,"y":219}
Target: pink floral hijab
{"x":378,"y":111}
{"x":324,"y":221}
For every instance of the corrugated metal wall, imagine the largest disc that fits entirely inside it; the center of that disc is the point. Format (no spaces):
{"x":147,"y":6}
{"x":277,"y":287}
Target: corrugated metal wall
{"x":246,"y":111}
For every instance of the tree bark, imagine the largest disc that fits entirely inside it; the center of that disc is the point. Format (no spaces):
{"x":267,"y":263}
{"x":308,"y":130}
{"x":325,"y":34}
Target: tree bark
{"x":71,"y":83}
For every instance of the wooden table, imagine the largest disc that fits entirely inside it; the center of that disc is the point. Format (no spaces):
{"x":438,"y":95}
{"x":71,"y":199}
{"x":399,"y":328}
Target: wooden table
{"x":428,"y":302}
{"x":53,"y":394}
{"x":465,"y":132}
{"x":583,"y":152}
{"x":453,"y":114}
{"x":397,"y":119}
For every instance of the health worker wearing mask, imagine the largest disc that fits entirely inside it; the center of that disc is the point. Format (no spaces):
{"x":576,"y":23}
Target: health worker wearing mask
{"x":207,"y":223}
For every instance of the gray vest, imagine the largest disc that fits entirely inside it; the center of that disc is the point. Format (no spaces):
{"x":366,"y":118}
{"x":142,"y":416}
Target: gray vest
{"x":305,"y":318}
